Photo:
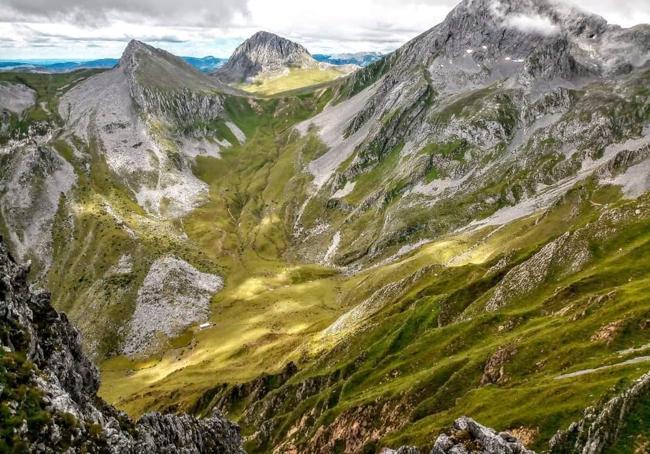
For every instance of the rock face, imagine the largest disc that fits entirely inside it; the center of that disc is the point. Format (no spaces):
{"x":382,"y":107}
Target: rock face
{"x":173,"y":296}
{"x":145,"y":117}
{"x":49,"y":389}
{"x":16,"y":97}
{"x":31,"y":184}
{"x":489,"y":97}
{"x":264,"y":53}
{"x":468,"y":436}
{"x":601,"y":427}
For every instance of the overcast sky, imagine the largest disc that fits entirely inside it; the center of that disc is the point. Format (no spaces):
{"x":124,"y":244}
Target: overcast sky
{"x":84,"y":29}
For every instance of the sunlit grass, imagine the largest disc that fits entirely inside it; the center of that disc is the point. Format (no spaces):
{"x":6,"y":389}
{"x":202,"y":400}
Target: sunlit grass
{"x":296,"y":78}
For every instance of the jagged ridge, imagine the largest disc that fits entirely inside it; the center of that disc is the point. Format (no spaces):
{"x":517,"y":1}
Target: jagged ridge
{"x":51,"y":403}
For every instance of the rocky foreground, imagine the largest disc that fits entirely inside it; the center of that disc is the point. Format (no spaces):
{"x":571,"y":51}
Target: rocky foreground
{"x":48,"y":389}
{"x":595,"y":433}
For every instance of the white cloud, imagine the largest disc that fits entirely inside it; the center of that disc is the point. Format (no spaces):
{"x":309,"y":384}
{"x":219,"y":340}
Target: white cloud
{"x":532,"y":23}
{"x":626,"y":13}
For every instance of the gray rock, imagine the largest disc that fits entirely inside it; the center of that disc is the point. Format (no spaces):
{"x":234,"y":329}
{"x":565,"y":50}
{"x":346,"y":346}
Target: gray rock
{"x":63,"y":384}
{"x":468,"y":436}
{"x":16,"y":97}
{"x":138,"y":113}
{"x":265,"y":53}
{"x":600,"y":427}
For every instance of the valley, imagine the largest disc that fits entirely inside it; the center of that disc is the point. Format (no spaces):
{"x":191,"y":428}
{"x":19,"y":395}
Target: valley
{"x":346,"y":261}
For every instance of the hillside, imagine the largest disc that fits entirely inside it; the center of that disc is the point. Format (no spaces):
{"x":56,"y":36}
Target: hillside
{"x":460,"y":228}
{"x":49,"y":401}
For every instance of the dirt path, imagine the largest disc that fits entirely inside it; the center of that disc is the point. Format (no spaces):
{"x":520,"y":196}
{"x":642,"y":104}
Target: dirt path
{"x":638,"y":359}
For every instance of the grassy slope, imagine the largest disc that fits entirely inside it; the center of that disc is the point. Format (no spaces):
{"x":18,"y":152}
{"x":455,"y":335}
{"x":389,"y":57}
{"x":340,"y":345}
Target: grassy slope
{"x":297,"y":78}
{"x":272,"y":311}
{"x":405,"y":356}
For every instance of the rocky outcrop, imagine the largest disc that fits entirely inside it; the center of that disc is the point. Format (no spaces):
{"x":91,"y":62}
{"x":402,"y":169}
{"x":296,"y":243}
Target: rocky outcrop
{"x":600,"y":427}
{"x":173,"y":296}
{"x":493,"y":372}
{"x":164,"y":85}
{"x":49,"y":389}
{"x":16,"y":97}
{"x":566,"y":255}
{"x":264,"y":53}
{"x":468,"y":436}
{"x":32,"y":181}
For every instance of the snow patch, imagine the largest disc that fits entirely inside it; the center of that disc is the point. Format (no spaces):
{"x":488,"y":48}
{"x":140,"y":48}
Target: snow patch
{"x":332,"y":123}
{"x":329,"y":255}
{"x":238,"y":133}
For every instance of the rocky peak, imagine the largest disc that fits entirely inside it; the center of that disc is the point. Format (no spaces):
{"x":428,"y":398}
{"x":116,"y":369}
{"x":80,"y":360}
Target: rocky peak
{"x":528,"y":43}
{"x":267,"y":49}
{"x":264,"y":52}
{"x":530,"y":16}
{"x":157,"y":67}
{"x":497,"y":26}
{"x":132,"y":50}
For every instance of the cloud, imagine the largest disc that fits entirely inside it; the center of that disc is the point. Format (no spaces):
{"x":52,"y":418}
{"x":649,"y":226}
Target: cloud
{"x":622,"y":12}
{"x":100,"y":12}
{"x":532,"y":23}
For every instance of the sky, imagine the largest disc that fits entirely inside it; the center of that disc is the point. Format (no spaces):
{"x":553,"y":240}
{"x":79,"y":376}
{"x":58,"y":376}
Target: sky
{"x":89,"y":29}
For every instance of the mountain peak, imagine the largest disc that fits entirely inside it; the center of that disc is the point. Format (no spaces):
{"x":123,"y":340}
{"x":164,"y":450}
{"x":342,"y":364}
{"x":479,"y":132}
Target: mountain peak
{"x":132,"y":49}
{"x":533,"y":17}
{"x":264,"y":52}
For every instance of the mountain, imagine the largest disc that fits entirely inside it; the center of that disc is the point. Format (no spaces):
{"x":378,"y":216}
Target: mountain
{"x":264,"y":54}
{"x":205,"y":64}
{"x":357,"y":58}
{"x":461,"y":112}
{"x":454,"y":237}
{"x":56,"y":66}
{"x":119,"y":108}
{"x":119,"y":145}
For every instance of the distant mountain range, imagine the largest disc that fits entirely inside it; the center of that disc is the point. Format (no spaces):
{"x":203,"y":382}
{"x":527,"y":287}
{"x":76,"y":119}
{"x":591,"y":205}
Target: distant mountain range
{"x":357,"y":58}
{"x":204,"y":64}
